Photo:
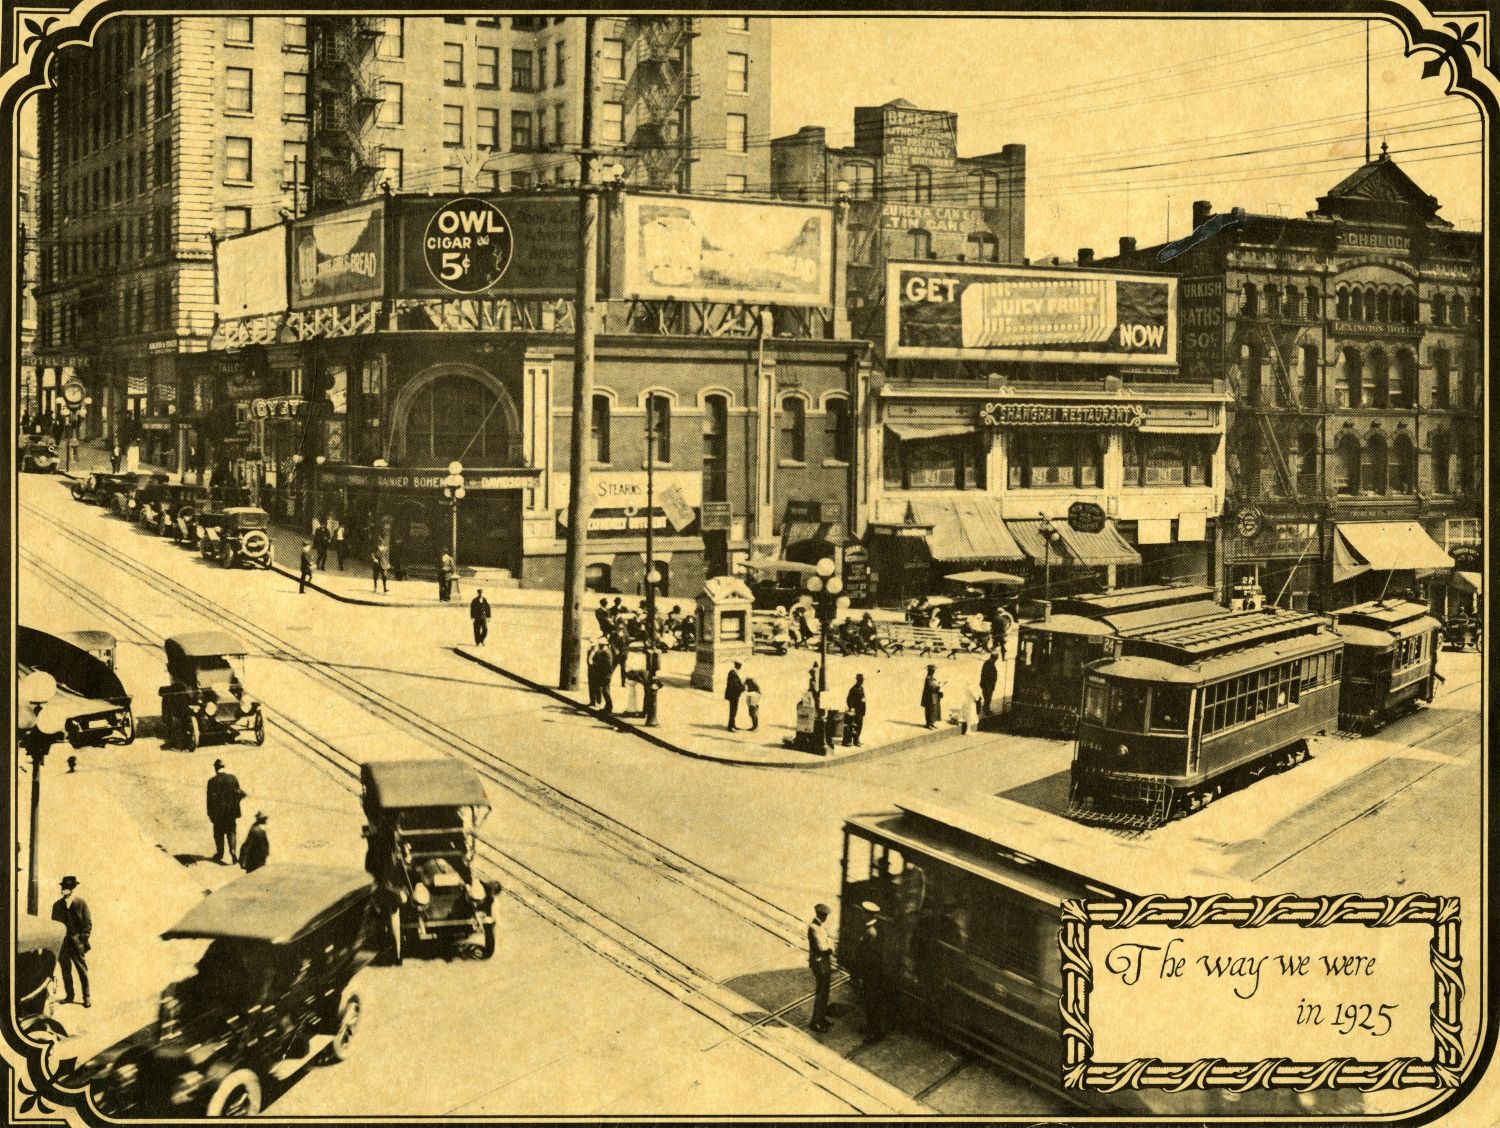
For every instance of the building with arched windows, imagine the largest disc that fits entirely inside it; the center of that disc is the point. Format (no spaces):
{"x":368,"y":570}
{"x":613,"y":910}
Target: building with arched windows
{"x":1351,"y":342}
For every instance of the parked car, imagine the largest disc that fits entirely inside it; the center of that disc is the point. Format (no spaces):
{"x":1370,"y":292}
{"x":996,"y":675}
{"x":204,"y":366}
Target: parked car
{"x":161,"y":508}
{"x":207,"y":702}
{"x":278,"y":986}
{"x":423,"y":823}
{"x":94,"y":705}
{"x":235,"y":534}
{"x":38,"y":454}
{"x":97,"y":488}
{"x":122,"y":495}
{"x":38,"y":946}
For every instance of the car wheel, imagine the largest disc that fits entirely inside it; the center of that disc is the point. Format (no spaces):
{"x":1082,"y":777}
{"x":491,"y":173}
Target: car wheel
{"x":489,"y":941}
{"x":237,"y":1095}
{"x":260,"y":729}
{"x":351,"y":1010}
{"x":396,"y":938}
{"x":191,"y":734}
{"x":226,"y":558}
{"x":127,"y":729}
{"x":77,"y":491}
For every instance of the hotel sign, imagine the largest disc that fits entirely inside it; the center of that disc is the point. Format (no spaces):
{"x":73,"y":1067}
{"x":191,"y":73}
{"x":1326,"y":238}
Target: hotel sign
{"x":1375,"y":241}
{"x":1062,"y":414}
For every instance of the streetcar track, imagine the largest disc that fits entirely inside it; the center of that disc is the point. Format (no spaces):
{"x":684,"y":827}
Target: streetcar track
{"x":634,"y":953}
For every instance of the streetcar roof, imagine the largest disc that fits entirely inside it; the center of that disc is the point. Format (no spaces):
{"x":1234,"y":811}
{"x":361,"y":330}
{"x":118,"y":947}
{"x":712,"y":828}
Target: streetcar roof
{"x":1143,"y":667}
{"x":276,"y":904}
{"x":1234,"y":630}
{"x":1127,"y":621}
{"x":1402,"y":618}
{"x":1130,"y":599}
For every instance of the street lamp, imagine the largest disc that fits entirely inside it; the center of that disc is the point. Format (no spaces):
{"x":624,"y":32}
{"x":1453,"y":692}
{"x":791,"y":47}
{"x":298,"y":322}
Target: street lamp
{"x":1050,"y":536}
{"x":825,"y":589}
{"x":299,"y":487}
{"x":653,"y":577}
{"x":453,"y":490}
{"x":317,"y":482}
{"x":38,"y":728}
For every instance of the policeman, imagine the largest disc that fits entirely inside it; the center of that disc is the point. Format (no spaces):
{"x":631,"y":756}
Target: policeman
{"x":868,"y":972}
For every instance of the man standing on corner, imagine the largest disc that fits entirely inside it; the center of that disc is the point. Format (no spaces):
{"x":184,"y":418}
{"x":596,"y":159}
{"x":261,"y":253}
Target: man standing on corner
{"x":989,"y":677}
{"x":224,"y":797}
{"x":734,"y":687}
{"x":73,"y":914}
{"x":854,"y":723}
{"x":306,"y":575}
{"x":820,"y":960}
{"x":479,"y":613}
{"x":932,"y":698}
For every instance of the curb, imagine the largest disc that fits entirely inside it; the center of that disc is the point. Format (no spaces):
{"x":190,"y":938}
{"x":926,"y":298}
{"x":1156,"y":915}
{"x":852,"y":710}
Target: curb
{"x":614,"y":720}
{"x":296,"y":578}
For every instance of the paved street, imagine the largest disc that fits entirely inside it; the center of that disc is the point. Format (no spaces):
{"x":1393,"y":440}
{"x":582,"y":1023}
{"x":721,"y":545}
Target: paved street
{"x":667,"y":894}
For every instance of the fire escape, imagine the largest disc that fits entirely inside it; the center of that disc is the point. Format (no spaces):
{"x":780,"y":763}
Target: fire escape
{"x":346,"y":93}
{"x":658,"y":99}
{"x":1275,"y":405}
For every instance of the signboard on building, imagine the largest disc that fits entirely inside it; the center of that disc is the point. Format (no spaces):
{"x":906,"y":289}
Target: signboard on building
{"x":716,"y":517}
{"x":691,"y":249}
{"x":1200,"y":313}
{"x":1086,"y":517}
{"x":678,"y":511}
{"x":959,"y":312}
{"x":1018,"y":414}
{"x":543,"y":246}
{"x":339,"y":257}
{"x":252,"y":275}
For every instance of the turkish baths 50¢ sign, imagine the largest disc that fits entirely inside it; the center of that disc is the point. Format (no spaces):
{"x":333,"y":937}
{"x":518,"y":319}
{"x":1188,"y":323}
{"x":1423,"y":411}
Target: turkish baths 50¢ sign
{"x":468,"y":245}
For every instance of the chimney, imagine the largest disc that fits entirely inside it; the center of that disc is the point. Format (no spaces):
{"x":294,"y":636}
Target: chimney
{"x":1127,"y":244}
{"x":1202,"y":209}
{"x":1085,"y":256}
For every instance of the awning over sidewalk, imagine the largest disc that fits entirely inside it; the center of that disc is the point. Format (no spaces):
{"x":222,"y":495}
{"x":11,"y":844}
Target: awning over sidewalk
{"x":1385,"y":546}
{"x":1087,"y":550}
{"x":965,"y":529}
{"x":910,"y":431}
{"x":1469,"y":581}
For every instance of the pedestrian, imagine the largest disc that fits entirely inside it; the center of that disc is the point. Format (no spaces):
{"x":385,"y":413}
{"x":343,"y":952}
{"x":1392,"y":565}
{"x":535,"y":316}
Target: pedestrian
{"x":114,"y":458}
{"x":379,"y":569}
{"x":396,"y":559}
{"x":224,"y":795}
{"x":321,"y":541}
{"x":73,"y":914}
{"x":446,"y":572}
{"x":868,"y":972}
{"x":820,"y":960}
{"x":593,"y":676}
{"x":932,"y":698}
{"x":619,"y":647}
{"x":479,"y":615}
{"x":854,"y":721}
{"x":339,"y":545}
{"x":989,"y":677}
{"x":752,"y":702}
{"x":305,"y":576}
{"x":257,"y":848}
{"x":604,"y":619}
{"x":616,"y":610}
{"x":601,"y":666}
{"x":1000,"y":628}
{"x":734,"y":689}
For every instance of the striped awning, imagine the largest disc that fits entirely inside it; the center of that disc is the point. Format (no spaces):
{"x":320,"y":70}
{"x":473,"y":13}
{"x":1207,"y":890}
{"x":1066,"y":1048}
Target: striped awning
{"x":965,"y":530}
{"x":1084,"y":550}
{"x":1385,"y":546}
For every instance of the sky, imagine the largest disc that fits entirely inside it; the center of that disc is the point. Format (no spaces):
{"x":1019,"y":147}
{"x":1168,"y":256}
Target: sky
{"x":1124,"y":118}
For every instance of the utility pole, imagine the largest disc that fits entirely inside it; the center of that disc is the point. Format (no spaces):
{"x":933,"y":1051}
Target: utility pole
{"x":579,"y":500}
{"x":296,"y":187}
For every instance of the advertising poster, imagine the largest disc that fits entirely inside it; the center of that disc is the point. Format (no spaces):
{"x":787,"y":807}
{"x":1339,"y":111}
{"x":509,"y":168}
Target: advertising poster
{"x":541,"y":235}
{"x":339,"y":257}
{"x":997,"y":313}
{"x":252,"y":274}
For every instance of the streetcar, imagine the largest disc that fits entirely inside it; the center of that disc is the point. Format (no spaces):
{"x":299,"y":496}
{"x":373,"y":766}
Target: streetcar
{"x":1390,"y":661}
{"x":1190,"y":712}
{"x":1051,"y":654}
{"x":969,"y":890}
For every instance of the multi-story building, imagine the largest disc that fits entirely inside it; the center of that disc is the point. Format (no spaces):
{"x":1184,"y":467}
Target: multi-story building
{"x":1351,"y":341}
{"x":29,"y":386}
{"x":170,"y":132}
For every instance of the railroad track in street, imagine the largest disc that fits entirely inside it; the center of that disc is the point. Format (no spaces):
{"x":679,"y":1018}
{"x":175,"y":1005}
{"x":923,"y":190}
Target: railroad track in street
{"x":600,"y":932}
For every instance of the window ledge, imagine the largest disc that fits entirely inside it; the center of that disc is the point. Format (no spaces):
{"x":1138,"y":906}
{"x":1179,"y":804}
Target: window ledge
{"x":839,"y":463}
{"x":239,"y":113}
{"x":239,"y":183}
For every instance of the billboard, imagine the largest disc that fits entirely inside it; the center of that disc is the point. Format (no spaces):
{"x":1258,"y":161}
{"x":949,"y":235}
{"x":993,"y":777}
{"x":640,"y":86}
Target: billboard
{"x":958,"y":312}
{"x":339,"y":257}
{"x":537,"y":234}
{"x":692,"y":249}
{"x":1202,"y":315}
{"x":251,"y":271}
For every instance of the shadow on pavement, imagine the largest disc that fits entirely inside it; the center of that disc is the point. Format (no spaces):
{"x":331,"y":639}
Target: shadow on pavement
{"x":1050,"y":793}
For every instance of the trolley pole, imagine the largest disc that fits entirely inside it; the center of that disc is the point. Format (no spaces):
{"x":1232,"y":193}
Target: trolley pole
{"x":579,"y":501}
{"x":652,"y":659}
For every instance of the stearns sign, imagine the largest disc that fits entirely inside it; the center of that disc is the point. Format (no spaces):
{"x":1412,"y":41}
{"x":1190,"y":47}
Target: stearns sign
{"x":1062,"y":414}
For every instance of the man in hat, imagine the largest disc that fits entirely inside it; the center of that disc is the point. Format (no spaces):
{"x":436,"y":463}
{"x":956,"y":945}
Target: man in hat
{"x":868,"y":972}
{"x":932,"y":698}
{"x":820,"y":960}
{"x":73,"y":914}
{"x":479,"y":615}
{"x":257,"y":847}
{"x":734,"y":689}
{"x":224,"y":795}
{"x":601,"y":666}
{"x":854,"y":721}
{"x":989,"y":678}
{"x":306,"y":574}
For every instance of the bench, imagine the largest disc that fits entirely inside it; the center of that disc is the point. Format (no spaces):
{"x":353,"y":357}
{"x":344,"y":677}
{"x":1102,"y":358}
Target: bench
{"x":898,"y":637}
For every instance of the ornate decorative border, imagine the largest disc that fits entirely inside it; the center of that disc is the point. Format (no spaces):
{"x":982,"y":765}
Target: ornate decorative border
{"x":1441,"y":1072}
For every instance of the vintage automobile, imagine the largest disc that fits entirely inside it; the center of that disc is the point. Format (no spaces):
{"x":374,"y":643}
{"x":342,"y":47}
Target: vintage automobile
{"x":95,"y":706}
{"x":123,"y":495}
{"x":234,"y":534}
{"x":278,"y":986}
{"x":168,"y":505}
{"x":207,"y":702}
{"x":38,"y":946}
{"x":38,"y":454}
{"x":423,"y":824}
{"x":98,"y":488}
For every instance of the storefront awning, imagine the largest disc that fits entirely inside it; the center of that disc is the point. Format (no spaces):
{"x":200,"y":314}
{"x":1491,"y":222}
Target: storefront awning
{"x":910,"y":431}
{"x":1385,"y":546}
{"x":1469,"y":581}
{"x":965,"y":530}
{"x":1072,"y":548}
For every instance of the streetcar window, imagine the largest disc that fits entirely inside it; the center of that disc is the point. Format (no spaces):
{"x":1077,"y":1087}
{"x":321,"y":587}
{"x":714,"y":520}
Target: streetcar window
{"x":1127,"y":706}
{"x":1169,"y":708}
{"x":1028,"y":648}
{"x":1094,"y":698}
{"x":860,"y":855}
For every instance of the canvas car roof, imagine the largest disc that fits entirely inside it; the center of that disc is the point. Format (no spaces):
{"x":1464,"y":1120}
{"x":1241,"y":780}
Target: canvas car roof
{"x":205,"y":644}
{"x":422,"y":783}
{"x":276,"y":904}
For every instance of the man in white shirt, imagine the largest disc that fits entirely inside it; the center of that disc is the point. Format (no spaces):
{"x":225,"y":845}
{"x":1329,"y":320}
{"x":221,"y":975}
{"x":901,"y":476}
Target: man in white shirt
{"x":820,"y":959}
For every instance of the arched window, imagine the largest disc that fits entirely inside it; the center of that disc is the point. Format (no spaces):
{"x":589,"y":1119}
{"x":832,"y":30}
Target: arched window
{"x":1357,"y":305}
{"x":659,"y":427}
{"x":1383,"y":306}
{"x":599,"y":428}
{"x":921,"y":243}
{"x":1314,"y":304}
{"x":984,"y":247}
{"x":1374,"y":391}
{"x":1250,"y":304}
{"x":1292,"y":303}
{"x":1442,"y":462}
{"x":715,"y":448}
{"x":1373,"y":466}
{"x":1476,"y":310}
{"x":840,"y":435}
{"x":1346,"y":465}
{"x":1439,"y":309}
{"x":1351,"y":379}
{"x":1442,"y":377}
{"x":1273,"y":300}
{"x":1307,"y":462}
{"x":1309,"y":374}
{"x":921,"y":184}
{"x":1403,"y":465}
{"x":1411,"y":314}
{"x":1341,"y":305}
{"x":793,"y":429}
{"x":458,"y":417}
{"x":1404,"y":386}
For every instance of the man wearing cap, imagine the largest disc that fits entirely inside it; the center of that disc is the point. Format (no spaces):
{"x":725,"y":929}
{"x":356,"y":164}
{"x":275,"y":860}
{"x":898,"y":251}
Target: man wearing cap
{"x":257,"y":847}
{"x":868,"y":971}
{"x":479,"y":615}
{"x":734,"y":689}
{"x":932,"y":698}
{"x":820,"y":960}
{"x":224,"y":795}
{"x":73,"y":914}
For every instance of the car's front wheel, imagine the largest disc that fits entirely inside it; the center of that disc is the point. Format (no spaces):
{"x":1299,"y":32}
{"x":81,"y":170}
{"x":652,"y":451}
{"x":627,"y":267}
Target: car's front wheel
{"x":489,"y":941}
{"x":192,"y":734}
{"x":260,"y":729}
{"x":77,"y":491}
{"x":351,"y":1010}
{"x":237,"y":1095}
{"x":127,"y":729}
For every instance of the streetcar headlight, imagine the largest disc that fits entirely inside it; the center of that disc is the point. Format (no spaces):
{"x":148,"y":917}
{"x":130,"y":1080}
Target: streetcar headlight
{"x":1123,"y":750}
{"x":210,"y":708}
{"x":131,"y":503}
{"x":421,"y":895}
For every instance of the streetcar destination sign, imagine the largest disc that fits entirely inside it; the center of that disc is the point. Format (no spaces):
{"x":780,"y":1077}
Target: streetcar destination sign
{"x":1062,"y":414}
{"x":467,"y":245}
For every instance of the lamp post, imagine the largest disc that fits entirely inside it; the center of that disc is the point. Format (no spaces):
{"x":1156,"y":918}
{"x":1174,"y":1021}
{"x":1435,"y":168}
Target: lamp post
{"x":453,"y":490}
{"x":38,"y":729}
{"x":317,"y":482}
{"x":653,"y":577}
{"x":299,"y":487}
{"x":825,"y":589}
{"x":67,"y":437}
{"x":1050,"y":535}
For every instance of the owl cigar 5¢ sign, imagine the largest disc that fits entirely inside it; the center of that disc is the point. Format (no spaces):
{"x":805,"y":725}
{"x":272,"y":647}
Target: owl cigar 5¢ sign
{"x":467,"y":245}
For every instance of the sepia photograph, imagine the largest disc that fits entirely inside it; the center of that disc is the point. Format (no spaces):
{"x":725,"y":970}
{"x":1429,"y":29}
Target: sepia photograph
{"x":748,"y":563}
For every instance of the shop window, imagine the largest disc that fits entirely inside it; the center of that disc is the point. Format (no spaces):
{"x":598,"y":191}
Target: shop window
{"x":1403,"y":465}
{"x":1167,"y":460}
{"x":599,"y":425}
{"x":1374,"y":466}
{"x":1047,"y":459}
{"x":1441,"y":462}
{"x":1346,"y":466}
{"x":659,"y":427}
{"x":716,"y":448}
{"x":793,"y":429}
{"x":949,"y":462}
{"x":840,"y":433}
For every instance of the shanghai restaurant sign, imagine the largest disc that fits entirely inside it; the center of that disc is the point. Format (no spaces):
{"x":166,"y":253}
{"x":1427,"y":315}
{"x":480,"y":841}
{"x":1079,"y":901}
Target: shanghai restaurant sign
{"x":339,"y":257}
{"x":535,"y":256}
{"x":690,"y":249}
{"x":1008,"y":414}
{"x":947,"y":311}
